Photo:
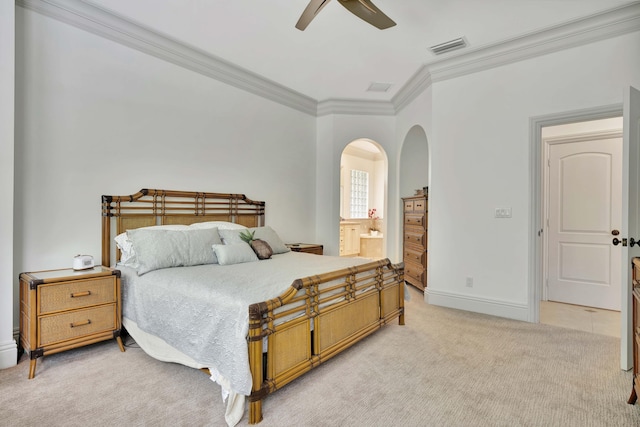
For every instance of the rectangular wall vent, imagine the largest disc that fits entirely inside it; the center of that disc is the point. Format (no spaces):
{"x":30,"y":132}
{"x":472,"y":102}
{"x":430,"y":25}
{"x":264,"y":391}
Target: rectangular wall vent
{"x":448,"y":46}
{"x":379,"y":87}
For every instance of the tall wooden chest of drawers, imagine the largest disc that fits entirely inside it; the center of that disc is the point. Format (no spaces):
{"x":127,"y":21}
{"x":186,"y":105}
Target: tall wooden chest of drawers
{"x":415,"y":240}
{"x":65,"y":309}
{"x":635,"y":330}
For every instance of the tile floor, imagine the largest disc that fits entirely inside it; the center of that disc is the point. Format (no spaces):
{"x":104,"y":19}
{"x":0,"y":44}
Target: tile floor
{"x":595,"y":320}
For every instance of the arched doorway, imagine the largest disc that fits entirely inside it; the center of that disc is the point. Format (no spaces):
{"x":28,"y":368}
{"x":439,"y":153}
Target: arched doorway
{"x":414,"y":161}
{"x":413,"y":211}
{"x":363,"y":189}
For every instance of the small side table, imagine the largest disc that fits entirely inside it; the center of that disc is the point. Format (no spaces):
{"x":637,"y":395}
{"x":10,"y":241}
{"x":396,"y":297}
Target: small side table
{"x":65,"y":309}
{"x":310,"y":248}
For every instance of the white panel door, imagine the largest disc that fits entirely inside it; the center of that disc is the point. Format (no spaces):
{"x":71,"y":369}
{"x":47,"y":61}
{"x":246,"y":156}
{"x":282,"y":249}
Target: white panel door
{"x":585,"y":189}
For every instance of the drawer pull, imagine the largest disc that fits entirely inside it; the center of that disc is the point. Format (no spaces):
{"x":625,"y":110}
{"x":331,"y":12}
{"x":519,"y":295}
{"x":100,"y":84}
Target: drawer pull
{"x":75,"y":325}
{"x":80,"y":294}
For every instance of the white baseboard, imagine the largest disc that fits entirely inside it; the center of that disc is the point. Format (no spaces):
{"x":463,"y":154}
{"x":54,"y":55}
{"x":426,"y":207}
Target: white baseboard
{"x":8,"y":354}
{"x":499,"y":308}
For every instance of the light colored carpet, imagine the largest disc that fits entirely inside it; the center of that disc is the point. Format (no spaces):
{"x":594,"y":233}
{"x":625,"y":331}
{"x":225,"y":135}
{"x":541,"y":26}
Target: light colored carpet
{"x":443,"y":368}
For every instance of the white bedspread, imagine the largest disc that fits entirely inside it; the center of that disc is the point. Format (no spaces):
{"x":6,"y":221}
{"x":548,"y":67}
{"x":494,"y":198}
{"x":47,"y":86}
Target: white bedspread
{"x":202,"y":311}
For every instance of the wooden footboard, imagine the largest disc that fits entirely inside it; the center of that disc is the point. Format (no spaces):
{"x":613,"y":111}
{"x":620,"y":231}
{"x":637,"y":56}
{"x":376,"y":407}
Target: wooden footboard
{"x":316,"y":319}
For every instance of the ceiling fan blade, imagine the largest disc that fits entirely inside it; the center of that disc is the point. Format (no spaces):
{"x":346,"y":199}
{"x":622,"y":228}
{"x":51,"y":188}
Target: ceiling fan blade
{"x":368,"y":12}
{"x":310,"y":12}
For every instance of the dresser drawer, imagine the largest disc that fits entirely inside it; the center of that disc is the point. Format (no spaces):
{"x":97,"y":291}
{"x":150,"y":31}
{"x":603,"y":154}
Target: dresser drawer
{"x":408,"y":205}
{"x":76,"y":294}
{"x":418,"y":257}
{"x":420,"y":205}
{"x":76,"y":323}
{"x":417,"y":220}
{"x":416,"y":237}
{"x":414,"y":271}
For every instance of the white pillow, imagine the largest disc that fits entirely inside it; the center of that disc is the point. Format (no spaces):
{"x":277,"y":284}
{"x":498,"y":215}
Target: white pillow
{"x":156,"y":249}
{"x":234,"y":253}
{"x":267,"y":234}
{"x":128,"y":254}
{"x":220,"y":225}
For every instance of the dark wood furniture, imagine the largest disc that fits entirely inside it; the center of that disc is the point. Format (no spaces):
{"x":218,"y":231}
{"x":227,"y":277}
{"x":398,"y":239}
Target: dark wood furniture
{"x":310,"y":248}
{"x":304,"y":326}
{"x":415,"y":240}
{"x":635,"y":297}
{"x":65,"y":309}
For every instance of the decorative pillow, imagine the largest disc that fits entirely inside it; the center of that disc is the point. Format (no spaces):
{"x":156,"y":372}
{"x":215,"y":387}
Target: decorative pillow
{"x":261,"y":248}
{"x":157,"y":249}
{"x":128,"y":254}
{"x":234,"y":253}
{"x":267,"y":234}
{"x":220,"y":225}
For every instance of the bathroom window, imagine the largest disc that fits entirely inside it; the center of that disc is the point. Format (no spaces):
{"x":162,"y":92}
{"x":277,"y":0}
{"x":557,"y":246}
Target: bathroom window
{"x":359,"y":193}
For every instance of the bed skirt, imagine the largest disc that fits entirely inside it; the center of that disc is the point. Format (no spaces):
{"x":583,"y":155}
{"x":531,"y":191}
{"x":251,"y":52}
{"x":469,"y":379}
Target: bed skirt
{"x":159,"y":349}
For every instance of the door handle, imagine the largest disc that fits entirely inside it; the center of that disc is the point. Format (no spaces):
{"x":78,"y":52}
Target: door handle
{"x":632,"y":242}
{"x":615,"y":232}
{"x":617,"y":241}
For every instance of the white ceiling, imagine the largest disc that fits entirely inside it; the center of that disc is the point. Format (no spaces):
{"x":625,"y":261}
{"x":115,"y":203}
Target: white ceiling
{"x":338,"y":56}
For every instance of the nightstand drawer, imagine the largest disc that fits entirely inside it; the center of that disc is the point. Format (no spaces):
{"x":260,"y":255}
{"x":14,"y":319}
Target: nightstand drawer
{"x":77,"y":323}
{"x":76,"y":294}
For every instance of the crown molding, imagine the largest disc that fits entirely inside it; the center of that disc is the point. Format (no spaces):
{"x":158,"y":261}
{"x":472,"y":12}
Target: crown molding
{"x":355,"y":106}
{"x":600,"y":26}
{"x":420,"y":81}
{"x":610,"y":23}
{"x":116,"y":28}
{"x":417,"y":84}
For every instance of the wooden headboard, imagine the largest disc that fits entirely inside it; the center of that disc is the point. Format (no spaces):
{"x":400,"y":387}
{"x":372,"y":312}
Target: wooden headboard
{"x":163,"y":207}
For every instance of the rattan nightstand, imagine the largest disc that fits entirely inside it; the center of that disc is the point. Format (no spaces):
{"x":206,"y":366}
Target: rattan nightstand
{"x":310,"y":248}
{"x":65,"y":309}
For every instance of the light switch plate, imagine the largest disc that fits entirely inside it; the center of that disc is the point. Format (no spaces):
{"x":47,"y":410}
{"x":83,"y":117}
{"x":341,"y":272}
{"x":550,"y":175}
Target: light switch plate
{"x":503,"y":213}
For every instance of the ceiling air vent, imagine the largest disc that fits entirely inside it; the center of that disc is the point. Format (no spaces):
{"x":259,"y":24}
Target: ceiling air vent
{"x":448,"y":46}
{"x":379,"y":87}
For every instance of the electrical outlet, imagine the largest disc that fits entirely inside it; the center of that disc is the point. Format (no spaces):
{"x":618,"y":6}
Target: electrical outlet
{"x":469,"y":282}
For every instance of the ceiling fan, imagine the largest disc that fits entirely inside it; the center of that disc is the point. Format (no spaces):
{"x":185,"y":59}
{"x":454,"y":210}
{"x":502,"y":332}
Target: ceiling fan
{"x":363,"y":9}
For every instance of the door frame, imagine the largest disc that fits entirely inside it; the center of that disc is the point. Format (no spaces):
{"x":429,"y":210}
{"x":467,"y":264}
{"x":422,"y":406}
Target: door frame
{"x":595,"y":135}
{"x":536,"y":182}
